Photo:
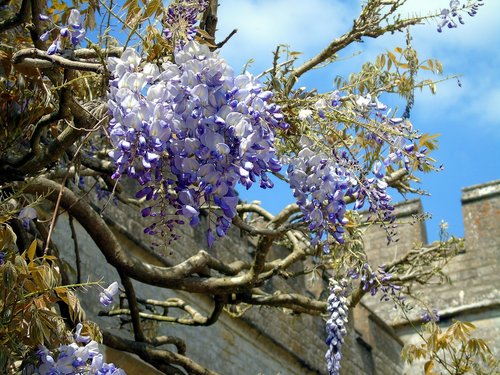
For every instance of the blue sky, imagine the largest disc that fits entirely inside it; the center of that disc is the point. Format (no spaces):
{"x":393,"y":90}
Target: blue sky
{"x":467,"y":118}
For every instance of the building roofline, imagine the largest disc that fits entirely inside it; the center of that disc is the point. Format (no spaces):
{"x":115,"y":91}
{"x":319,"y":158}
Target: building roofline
{"x":481,"y":191}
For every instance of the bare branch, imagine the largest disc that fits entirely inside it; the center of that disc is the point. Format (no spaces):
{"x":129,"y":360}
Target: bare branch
{"x":253,"y":207}
{"x":153,"y":355}
{"x":366,"y":25}
{"x":133,"y":307}
{"x":92,"y":53}
{"x":179,"y":276}
{"x":295,"y":302}
{"x":102,"y":166}
{"x":195,"y":319}
{"x":254,"y":231}
{"x":169,"y":340}
{"x":64,"y":141}
{"x":35,"y":58}
{"x":209,"y":19}
{"x":76,"y":248}
{"x":226,"y":39}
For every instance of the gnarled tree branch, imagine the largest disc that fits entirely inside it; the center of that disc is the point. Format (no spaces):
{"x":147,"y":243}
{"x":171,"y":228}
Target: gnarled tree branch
{"x":35,"y":58}
{"x":153,"y":355}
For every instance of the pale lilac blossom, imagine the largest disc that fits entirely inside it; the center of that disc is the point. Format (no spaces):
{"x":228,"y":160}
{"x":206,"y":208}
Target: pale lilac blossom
{"x":210,"y":128}
{"x":106,"y":296}
{"x":336,"y":325}
{"x":26,"y":215}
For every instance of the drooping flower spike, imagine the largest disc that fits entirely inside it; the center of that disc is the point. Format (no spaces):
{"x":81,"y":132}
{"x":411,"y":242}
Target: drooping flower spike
{"x":189,"y":132}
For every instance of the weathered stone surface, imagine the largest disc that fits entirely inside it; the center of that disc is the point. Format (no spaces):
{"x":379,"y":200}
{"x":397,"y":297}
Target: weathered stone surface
{"x":263,"y":341}
{"x":269,"y":341}
{"x":473,"y":294}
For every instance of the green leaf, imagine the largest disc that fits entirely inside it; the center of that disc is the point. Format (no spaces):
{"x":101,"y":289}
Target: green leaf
{"x":430,"y":63}
{"x":439,"y":67}
{"x":152,"y":8}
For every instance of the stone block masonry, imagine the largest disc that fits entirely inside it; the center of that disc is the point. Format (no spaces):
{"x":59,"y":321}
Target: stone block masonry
{"x":474,"y":291}
{"x":264,"y":341}
{"x":269,"y":341}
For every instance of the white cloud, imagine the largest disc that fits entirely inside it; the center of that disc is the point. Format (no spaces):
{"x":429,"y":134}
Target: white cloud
{"x":309,"y":25}
{"x":306,"y":26}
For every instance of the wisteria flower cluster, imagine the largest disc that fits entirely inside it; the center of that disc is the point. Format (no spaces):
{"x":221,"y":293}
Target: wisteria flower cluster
{"x":75,"y":359}
{"x":320,"y":183}
{"x":372,"y":282}
{"x":74,"y":32}
{"x":336,"y":325}
{"x":181,"y":18}
{"x":189,"y":132}
{"x":400,"y":139}
{"x":451,"y":14}
{"x":431,"y":316}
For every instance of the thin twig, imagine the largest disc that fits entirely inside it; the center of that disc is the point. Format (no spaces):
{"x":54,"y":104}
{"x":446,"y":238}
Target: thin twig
{"x":133,"y":307}
{"x":59,"y":196}
{"x":76,"y":248}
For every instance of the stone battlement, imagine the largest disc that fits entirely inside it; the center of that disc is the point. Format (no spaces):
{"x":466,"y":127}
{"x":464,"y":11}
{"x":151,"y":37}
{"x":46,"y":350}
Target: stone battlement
{"x":269,"y":341}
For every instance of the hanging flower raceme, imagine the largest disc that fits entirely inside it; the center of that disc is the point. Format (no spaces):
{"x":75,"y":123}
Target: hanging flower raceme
{"x":320,"y":184}
{"x":73,"y":32}
{"x":323,"y":181}
{"x":189,"y":132}
{"x":74,"y":359}
{"x":336,"y":325}
{"x":180,"y":20}
{"x":450,"y":16}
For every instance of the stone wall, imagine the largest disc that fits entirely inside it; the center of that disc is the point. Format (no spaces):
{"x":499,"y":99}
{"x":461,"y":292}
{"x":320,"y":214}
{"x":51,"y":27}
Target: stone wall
{"x":270,"y":341}
{"x":473,"y":293}
{"x":264,"y":341}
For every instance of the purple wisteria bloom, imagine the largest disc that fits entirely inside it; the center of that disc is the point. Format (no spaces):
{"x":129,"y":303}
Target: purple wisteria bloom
{"x":73,"y":31}
{"x":320,"y":184}
{"x":189,"y":132}
{"x":74,"y":359}
{"x":321,"y":181}
{"x":430,"y":316}
{"x":106,"y":296}
{"x":450,"y":16}
{"x":336,"y":325}
{"x":78,"y":336}
{"x":27,"y":214}
{"x":181,"y":18}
